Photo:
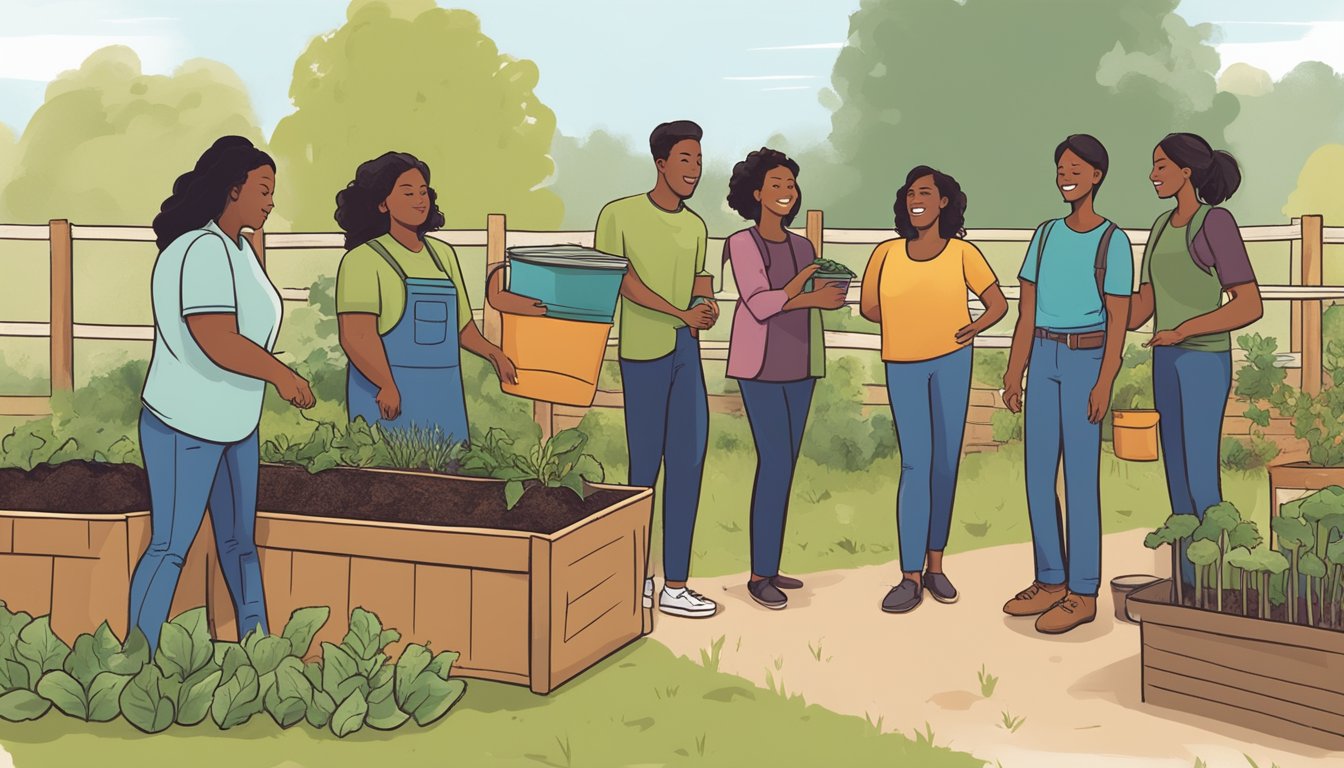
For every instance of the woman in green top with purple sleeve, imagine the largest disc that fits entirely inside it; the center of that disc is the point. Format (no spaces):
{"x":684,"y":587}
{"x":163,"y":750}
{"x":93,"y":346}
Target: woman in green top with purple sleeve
{"x":1194,"y":255}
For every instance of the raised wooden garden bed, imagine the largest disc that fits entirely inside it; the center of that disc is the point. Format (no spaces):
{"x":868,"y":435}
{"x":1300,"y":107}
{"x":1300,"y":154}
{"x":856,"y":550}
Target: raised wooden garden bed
{"x":525,"y":607}
{"x":1290,"y":482}
{"x":1278,"y":678}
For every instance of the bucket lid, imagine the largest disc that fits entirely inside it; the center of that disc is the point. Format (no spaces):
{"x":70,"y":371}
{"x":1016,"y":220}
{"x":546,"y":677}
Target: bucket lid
{"x":568,"y":256}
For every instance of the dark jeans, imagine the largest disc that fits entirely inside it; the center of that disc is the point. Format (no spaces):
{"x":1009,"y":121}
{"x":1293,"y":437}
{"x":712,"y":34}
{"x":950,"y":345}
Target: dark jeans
{"x":667,"y":424}
{"x":777,"y":413}
{"x":1190,"y":390}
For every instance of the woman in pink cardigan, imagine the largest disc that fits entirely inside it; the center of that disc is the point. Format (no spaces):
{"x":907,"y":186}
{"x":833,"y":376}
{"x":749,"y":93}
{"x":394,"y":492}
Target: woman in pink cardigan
{"x":776,"y":352}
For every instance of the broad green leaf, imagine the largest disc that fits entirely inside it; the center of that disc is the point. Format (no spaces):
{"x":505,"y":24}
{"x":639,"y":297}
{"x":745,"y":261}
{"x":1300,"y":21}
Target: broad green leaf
{"x":349,"y":716}
{"x":384,"y":715}
{"x":175,"y":652}
{"x":65,"y":693}
{"x":313,"y":671}
{"x":513,"y":491}
{"x":1203,"y":552}
{"x":382,"y":677}
{"x":105,"y":695}
{"x":1312,"y":565}
{"x":590,"y":469}
{"x":18,"y":706}
{"x":91,"y":655}
{"x":362,"y":639}
{"x":133,"y":656}
{"x":340,"y":672}
{"x":574,"y":482}
{"x":285,"y":712}
{"x":388,"y":637}
{"x":414,"y":660}
{"x":196,"y":696}
{"x":197,"y":625}
{"x":233,"y":701}
{"x":303,"y":625}
{"x":143,"y":703}
{"x":441,"y":696}
{"x":39,"y":645}
{"x":234,"y":659}
{"x":319,"y":714}
{"x":291,"y":682}
{"x":11,"y":624}
{"x":267,"y":652}
{"x":17,"y":675}
{"x":442,"y":665}
{"x":565,"y":442}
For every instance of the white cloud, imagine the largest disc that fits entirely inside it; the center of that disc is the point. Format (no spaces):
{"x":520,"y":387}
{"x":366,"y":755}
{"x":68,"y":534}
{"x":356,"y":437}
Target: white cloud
{"x":774,"y":77}
{"x":806,"y":47}
{"x":1323,"y":41}
{"x":42,"y":57}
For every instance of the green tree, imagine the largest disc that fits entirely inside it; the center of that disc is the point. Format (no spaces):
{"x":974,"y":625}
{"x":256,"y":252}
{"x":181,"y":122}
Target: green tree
{"x":1276,"y":131}
{"x":9,"y":151}
{"x":1318,"y":186}
{"x":106,"y":145}
{"x":985,"y":89}
{"x":408,"y":76}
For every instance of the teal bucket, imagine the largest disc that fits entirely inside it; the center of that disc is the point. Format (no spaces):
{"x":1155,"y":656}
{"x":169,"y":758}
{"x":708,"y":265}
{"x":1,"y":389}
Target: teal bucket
{"x":572,"y":282}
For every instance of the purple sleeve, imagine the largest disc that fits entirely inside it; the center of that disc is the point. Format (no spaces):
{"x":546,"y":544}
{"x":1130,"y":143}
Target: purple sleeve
{"x":753,"y":285}
{"x":1224,"y":250}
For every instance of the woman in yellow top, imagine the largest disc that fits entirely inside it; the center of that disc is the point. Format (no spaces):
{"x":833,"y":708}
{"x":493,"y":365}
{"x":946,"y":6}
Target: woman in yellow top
{"x":915,"y":287}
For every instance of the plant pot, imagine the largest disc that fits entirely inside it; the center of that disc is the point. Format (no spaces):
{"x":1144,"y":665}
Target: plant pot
{"x":1136,"y":436}
{"x":1122,"y":587}
{"x":1277,"y":678}
{"x":558,"y":361}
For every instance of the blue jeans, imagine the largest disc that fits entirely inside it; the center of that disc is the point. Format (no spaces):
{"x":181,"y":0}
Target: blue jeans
{"x":185,"y":473}
{"x":777,"y":413}
{"x":928,"y":404}
{"x":1190,"y":390}
{"x":667,"y":424}
{"x":1059,"y":383}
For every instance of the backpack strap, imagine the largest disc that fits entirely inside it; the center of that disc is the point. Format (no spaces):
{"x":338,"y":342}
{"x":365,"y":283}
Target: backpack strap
{"x":1099,"y":264}
{"x":1044,"y":229}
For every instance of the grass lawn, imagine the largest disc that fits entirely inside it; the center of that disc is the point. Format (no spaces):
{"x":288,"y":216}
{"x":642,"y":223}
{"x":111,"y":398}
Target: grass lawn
{"x":642,"y":706}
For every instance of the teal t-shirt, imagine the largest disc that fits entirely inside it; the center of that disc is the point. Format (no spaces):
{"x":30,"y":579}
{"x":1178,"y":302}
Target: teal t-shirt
{"x":202,"y":272}
{"x":1066,"y":287}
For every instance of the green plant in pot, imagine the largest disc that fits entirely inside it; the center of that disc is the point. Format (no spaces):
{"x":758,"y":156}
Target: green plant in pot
{"x":1173,"y":533}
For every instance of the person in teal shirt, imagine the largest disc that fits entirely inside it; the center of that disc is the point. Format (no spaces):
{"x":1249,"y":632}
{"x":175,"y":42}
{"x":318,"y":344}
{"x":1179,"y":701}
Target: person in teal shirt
{"x":216,"y":318}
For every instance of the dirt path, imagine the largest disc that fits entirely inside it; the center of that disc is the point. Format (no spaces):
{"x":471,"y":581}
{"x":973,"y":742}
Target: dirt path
{"x":1079,"y":693}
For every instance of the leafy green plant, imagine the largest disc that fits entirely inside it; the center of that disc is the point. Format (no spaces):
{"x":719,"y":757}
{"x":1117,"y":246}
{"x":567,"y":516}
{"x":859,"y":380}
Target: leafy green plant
{"x":1318,"y":419}
{"x":90,"y":683}
{"x":415,"y":447}
{"x":330,"y":445}
{"x":1173,"y":533}
{"x":558,"y":463}
{"x":988,"y":682}
{"x":1248,"y":455}
{"x":1202,"y":553}
{"x":1007,"y":427}
{"x":1011,"y":723}
{"x":830,"y":267}
{"x":1294,"y":535}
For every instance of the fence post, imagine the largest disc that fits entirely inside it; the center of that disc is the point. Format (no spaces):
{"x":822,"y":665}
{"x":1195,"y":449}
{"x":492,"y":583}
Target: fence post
{"x":257,"y":238}
{"x":1313,"y":243}
{"x":1295,"y":278}
{"x":544,"y":414}
{"x":814,"y":230}
{"x":62,"y":306}
{"x":495,"y":234}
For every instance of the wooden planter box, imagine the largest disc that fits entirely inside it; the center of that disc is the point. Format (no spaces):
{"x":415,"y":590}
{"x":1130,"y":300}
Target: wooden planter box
{"x":524,"y":608}
{"x":78,"y":567}
{"x":1290,"y":482}
{"x":1281,"y":679}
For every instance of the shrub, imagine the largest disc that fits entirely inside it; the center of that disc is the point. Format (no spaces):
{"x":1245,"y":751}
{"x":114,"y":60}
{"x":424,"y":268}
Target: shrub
{"x":1317,"y":419}
{"x":1248,"y":455}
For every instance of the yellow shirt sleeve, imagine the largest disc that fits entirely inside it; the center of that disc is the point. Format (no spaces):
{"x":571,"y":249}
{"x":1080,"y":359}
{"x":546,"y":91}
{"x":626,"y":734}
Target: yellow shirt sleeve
{"x":357,"y":282}
{"x":607,"y":234}
{"x":869,"y":290}
{"x":979,"y":275}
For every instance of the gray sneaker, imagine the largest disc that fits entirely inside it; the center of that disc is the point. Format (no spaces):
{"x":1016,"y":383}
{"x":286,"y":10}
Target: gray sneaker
{"x":767,"y":594}
{"x":903,"y":597}
{"x":940,"y":587}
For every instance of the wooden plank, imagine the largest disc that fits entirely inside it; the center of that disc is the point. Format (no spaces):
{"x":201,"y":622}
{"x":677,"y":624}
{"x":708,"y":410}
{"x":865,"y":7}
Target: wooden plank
{"x":1328,"y":723}
{"x":387,"y":589}
{"x":114,"y":234}
{"x":25,"y":583}
{"x":1312,"y":249}
{"x":1227,"y":713}
{"x":317,"y":579}
{"x":443,"y":610}
{"x":62,"y":307}
{"x":1152,"y":603}
{"x":25,"y":405}
{"x":1300,"y":666}
{"x":500,"y":618}
{"x":496,"y":236}
{"x":474,"y":548}
{"x":1247,"y":675}
{"x":58,"y":536}
{"x":6,"y":535}
{"x":276,"y":567}
{"x":85,"y":592}
{"x":816,"y":231}
{"x":543,"y":414}
{"x":542,"y":635}
{"x":24,"y":232}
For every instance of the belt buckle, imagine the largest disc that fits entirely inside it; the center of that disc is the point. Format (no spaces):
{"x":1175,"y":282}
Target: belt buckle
{"x":1071,"y":341}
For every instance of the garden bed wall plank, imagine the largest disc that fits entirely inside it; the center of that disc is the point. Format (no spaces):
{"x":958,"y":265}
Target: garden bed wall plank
{"x":6,"y":535}
{"x":1227,"y":713}
{"x":386,"y":589}
{"x":317,"y":579}
{"x":276,"y":567}
{"x":1328,"y":726}
{"x":25,"y":583}
{"x":1314,"y":696}
{"x":495,"y":550}
{"x":1290,"y":663}
{"x":87,"y":591}
{"x":57,"y":536}
{"x":442,"y":603}
{"x":542,"y":617}
{"x":500,"y":615}
{"x":1154,"y":609}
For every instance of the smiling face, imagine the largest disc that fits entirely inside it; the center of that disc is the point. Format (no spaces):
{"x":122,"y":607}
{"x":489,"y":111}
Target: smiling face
{"x":681,"y":169}
{"x":1168,"y":177}
{"x":1075,"y":177}
{"x":255,"y":199}
{"x":779,"y":193}
{"x":408,"y":205}
{"x":923,"y":203}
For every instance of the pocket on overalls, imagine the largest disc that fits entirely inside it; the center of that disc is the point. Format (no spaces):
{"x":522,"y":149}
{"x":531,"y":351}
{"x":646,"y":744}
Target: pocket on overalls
{"x":431,"y":322}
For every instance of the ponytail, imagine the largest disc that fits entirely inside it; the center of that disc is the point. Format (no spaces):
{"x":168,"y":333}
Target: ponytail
{"x":1215,"y":173}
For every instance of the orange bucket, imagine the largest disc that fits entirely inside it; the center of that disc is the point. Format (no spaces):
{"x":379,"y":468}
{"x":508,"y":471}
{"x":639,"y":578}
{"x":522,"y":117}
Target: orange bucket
{"x":1136,"y":435}
{"x":558,"y":361}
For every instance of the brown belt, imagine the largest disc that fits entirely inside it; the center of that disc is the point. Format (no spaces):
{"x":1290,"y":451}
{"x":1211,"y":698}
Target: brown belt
{"x":1090,"y":340}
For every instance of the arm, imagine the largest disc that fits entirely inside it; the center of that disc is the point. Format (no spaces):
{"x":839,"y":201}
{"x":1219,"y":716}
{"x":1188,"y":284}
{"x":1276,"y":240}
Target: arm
{"x":1020,"y":353}
{"x":870,"y":304}
{"x":1245,"y":308}
{"x":218,"y":337}
{"x":471,"y":340}
{"x":634,"y":289}
{"x":364,"y":347}
{"x":507,"y":301}
{"x":1141,"y":307}
{"x":996,"y":306}
{"x":753,"y":285}
{"x":1117,"y":308}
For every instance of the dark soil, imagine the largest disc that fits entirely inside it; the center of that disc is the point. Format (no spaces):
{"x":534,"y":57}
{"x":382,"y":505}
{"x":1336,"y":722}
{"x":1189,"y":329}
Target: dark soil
{"x":1277,"y":613}
{"x":91,"y":488}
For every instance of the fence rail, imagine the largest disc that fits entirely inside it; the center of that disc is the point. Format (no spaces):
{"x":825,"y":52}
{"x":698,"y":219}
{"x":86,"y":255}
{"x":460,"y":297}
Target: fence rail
{"x":1307,"y":237}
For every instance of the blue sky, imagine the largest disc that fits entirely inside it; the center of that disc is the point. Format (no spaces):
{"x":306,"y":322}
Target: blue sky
{"x":721,"y":62}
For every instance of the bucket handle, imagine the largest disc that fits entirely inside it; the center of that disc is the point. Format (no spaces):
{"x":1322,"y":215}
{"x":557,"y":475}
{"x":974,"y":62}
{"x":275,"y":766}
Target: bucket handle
{"x":524,"y":305}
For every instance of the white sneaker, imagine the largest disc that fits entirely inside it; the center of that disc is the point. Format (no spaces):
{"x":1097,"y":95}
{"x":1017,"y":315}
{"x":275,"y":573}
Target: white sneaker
{"x":688,"y":605}
{"x":648,"y":593}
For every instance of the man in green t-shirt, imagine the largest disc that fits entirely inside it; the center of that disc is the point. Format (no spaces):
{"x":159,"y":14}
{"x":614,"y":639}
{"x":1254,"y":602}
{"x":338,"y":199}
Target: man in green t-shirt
{"x":666,"y":407}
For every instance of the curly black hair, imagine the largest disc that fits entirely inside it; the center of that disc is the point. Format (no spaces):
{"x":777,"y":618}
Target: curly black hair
{"x":357,"y":205}
{"x":952,"y":220}
{"x":749,"y":177}
{"x":199,"y":195}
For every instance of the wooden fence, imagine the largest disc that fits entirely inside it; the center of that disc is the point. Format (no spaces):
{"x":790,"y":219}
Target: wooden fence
{"x":1307,"y":237}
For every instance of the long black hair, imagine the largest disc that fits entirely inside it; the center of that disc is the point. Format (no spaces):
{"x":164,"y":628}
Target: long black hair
{"x":357,"y":205}
{"x":1214,"y":172}
{"x":1090,"y":149}
{"x":749,"y":176}
{"x":199,"y":195}
{"x":952,"y":219}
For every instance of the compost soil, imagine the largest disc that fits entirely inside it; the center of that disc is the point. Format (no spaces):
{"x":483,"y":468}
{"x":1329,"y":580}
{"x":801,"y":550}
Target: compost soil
{"x":93,"y":488}
{"x":1277,"y":613}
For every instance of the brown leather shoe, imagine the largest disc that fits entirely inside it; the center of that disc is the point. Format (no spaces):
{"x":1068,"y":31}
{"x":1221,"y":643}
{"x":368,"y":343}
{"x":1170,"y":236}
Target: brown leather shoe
{"x":1036,"y":599}
{"x":1070,"y":613}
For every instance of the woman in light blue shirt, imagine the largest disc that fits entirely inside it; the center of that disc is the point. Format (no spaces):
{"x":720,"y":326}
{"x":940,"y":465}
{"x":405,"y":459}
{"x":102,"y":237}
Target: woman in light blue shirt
{"x":216,"y":318}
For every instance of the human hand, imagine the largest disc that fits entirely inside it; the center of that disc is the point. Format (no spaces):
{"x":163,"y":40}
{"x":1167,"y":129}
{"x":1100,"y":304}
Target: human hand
{"x":295,"y":390}
{"x":830,"y":296}
{"x":1099,"y":402}
{"x":389,"y":402}
{"x":504,"y":367}
{"x":799,"y":281}
{"x":698,"y":318}
{"x":516,"y":304}
{"x":1166,"y":338}
{"x":968,"y":333}
{"x":1012,"y":394}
